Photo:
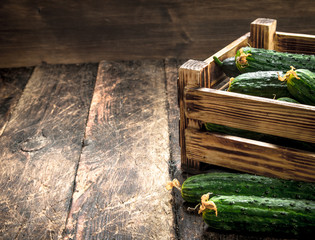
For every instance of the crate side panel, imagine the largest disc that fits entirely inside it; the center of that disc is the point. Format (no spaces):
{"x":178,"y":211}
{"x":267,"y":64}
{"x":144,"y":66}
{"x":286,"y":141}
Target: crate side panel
{"x":250,"y":156}
{"x":190,"y":74}
{"x":295,"y":43}
{"x":289,"y":120}
{"x":231,"y":49}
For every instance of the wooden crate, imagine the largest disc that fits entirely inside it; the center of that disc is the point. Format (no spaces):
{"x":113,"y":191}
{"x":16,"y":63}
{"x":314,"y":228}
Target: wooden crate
{"x":201,"y":100}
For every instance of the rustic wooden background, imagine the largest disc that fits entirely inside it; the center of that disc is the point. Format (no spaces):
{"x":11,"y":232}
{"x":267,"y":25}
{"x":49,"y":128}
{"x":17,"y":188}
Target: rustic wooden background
{"x":78,"y":31}
{"x":89,"y":119}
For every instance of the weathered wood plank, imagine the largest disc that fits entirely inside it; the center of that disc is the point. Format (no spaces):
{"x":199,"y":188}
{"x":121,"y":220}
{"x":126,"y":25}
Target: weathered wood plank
{"x":250,"y":156}
{"x":295,"y":43}
{"x":12,"y":83}
{"x":228,"y":51}
{"x":171,"y":73}
{"x":295,"y":121}
{"x":81,"y":31}
{"x":40,"y":149}
{"x":264,"y":31}
{"x":191,"y":75}
{"x":120,"y":186}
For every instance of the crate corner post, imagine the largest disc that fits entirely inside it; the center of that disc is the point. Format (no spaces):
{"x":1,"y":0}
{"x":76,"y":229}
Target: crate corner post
{"x":262,"y":33}
{"x":192,"y":74}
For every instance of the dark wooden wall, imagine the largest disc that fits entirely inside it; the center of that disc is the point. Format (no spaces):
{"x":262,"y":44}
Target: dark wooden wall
{"x":78,"y":31}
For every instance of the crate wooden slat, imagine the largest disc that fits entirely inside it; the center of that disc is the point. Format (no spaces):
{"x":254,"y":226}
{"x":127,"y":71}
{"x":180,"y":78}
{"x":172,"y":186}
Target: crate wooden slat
{"x":251,"y":113}
{"x":296,"y":43}
{"x":40,"y":150}
{"x":200,"y":101}
{"x":250,"y":155}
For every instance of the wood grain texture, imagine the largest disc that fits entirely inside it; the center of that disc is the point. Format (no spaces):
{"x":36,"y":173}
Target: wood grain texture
{"x":12,"y":83}
{"x":190,"y":75}
{"x":40,"y":149}
{"x":264,"y":31}
{"x":79,"y":31}
{"x":250,"y":156}
{"x":171,"y":74}
{"x":251,"y":113}
{"x":120,"y":186}
{"x":295,"y":43}
{"x":231,"y":49}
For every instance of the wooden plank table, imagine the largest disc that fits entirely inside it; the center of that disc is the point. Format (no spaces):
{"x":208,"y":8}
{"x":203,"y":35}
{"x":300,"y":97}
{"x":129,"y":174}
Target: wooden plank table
{"x":40,"y":149}
{"x":86,"y":152}
{"x":12,"y":83}
{"x":120,"y":185}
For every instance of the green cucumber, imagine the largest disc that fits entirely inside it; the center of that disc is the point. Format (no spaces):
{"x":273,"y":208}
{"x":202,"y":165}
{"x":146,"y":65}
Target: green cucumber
{"x":250,"y":59}
{"x":244,"y":184}
{"x":228,"y":66}
{"x":287,"y":99}
{"x":262,"y":215}
{"x":301,"y":85}
{"x":212,"y":127}
{"x":286,"y":142}
{"x":261,"y":84}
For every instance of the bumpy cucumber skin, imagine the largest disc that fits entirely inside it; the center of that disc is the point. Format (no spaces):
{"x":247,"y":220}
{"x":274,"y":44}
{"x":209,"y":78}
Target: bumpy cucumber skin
{"x":266,"y":60}
{"x":244,"y":184}
{"x":287,"y":99}
{"x":303,"y":89}
{"x":228,"y":66}
{"x":261,"y":84}
{"x":262,"y":215}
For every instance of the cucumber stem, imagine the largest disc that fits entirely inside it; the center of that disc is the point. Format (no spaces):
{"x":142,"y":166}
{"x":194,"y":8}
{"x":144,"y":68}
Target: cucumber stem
{"x":242,"y":58}
{"x":174,"y":183}
{"x":230,"y":82}
{"x":217,"y":61}
{"x":207,"y":204}
{"x":289,"y":75}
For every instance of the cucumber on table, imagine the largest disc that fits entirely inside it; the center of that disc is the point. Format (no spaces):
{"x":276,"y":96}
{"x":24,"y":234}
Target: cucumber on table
{"x":261,"y":215}
{"x":244,"y":184}
{"x":261,"y":84}
{"x":250,"y":59}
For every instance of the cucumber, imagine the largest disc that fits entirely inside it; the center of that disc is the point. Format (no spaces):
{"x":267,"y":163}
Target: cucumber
{"x":212,"y":127}
{"x":286,"y":142}
{"x":261,"y":84}
{"x":287,"y":99}
{"x":262,"y":215}
{"x":244,"y":184}
{"x":301,"y":85}
{"x":228,"y":66}
{"x":250,"y":59}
